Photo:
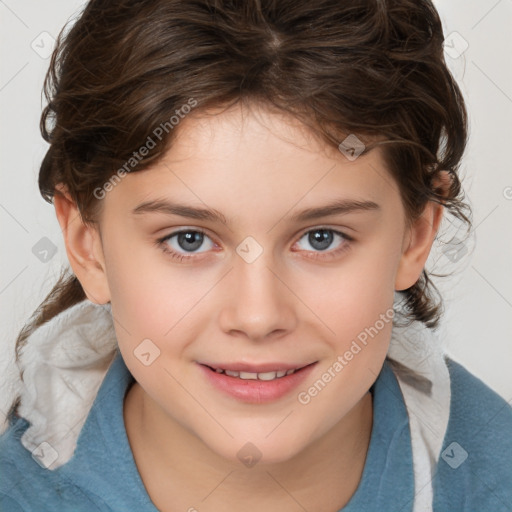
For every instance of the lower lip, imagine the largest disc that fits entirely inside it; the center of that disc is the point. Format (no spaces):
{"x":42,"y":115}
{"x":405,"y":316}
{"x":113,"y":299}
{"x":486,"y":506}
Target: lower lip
{"x":257,"y":391}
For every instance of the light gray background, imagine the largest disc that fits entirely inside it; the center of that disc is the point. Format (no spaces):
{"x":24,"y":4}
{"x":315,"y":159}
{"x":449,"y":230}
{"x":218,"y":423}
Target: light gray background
{"x":477,"y":327}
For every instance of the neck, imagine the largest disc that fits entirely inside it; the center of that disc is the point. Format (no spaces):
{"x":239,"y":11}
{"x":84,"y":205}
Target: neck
{"x":179,"y":470}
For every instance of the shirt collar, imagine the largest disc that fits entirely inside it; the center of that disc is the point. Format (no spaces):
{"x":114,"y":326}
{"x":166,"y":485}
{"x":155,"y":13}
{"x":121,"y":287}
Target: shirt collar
{"x":103,"y":443}
{"x":103,"y":462}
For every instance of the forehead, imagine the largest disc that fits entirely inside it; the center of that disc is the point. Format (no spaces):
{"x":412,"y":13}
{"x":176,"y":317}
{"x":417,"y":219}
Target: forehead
{"x":256,"y":128}
{"x":255,"y":158}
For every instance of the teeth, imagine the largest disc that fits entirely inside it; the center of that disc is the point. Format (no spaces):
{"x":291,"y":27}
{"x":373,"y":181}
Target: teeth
{"x":256,"y":376}
{"x":268,"y":375}
{"x":247,"y":375}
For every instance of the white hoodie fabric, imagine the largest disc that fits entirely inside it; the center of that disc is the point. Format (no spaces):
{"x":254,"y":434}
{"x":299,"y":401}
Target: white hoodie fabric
{"x":65,"y":360}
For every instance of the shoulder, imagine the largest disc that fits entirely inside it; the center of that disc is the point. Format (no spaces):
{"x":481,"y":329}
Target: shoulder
{"x":475,"y":467}
{"x":476,"y":406}
{"x":8,"y":504}
{"x":13,"y":457}
{"x":27,"y":486}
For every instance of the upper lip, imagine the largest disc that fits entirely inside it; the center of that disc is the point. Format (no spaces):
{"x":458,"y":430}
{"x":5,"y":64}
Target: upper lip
{"x":256,"y":368}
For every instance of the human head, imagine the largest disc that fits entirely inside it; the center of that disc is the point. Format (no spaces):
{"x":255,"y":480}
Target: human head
{"x":366,"y":69}
{"x":254,"y":289}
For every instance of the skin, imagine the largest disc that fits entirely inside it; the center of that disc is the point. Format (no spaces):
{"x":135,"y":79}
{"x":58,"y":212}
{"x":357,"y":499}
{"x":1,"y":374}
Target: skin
{"x":287,"y":305}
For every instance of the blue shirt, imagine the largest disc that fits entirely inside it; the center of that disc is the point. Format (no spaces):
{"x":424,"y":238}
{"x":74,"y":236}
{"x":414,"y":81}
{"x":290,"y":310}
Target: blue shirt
{"x":102,"y":475}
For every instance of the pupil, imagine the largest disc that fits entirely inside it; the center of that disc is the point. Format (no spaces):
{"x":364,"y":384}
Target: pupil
{"x":320,"y":239}
{"x":190,"y":237}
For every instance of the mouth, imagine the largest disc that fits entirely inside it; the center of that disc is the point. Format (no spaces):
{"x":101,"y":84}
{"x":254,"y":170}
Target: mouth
{"x":255,"y":375}
{"x":262,"y":384}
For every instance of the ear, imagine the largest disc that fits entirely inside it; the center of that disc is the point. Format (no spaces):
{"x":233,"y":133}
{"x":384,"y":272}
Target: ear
{"x":419,"y":238}
{"x":83,"y":247}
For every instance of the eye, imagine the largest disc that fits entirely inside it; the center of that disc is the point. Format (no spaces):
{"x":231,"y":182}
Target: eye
{"x":179,"y":243}
{"x":188,"y":240}
{"x":320,"y":239}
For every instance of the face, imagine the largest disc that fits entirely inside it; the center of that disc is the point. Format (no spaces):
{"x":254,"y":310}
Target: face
{"x":261,"y":281}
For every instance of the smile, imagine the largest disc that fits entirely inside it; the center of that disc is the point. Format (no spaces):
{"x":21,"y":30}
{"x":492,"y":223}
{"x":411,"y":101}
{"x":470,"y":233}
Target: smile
{"x":256,"y":387}
{"x":256,"y":376}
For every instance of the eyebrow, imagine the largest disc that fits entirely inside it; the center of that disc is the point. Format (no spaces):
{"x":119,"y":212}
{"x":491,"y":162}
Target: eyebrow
{"x":170,"y":208}
{"x":337,"y":207}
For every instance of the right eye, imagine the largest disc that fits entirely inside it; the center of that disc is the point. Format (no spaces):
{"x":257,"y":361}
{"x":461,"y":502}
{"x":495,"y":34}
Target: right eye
{"x":187,"y":240}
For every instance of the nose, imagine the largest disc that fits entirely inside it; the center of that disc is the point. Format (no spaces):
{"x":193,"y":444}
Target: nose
{"x":257,"y":302}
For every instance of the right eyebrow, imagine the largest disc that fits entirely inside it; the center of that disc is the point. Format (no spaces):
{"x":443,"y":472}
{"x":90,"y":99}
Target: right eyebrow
{"x":170,"y":208}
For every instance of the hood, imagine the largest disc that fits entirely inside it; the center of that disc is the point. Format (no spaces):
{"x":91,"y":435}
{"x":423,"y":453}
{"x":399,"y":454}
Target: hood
{"x":65,"y":360}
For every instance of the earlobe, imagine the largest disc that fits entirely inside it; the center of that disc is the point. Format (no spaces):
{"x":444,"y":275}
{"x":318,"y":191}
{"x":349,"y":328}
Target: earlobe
{"x":420,"y":237}
{"x":83,"y":248}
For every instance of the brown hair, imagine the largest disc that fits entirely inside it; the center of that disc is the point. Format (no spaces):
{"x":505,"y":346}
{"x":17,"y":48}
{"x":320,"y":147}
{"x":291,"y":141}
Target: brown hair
{"x":374,"y":68}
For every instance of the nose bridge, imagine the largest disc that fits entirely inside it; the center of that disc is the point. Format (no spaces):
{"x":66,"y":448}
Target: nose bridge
{"x":257,"y":303}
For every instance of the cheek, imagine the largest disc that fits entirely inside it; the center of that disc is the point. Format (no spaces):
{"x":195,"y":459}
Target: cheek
{"x":352,"y":296}
{"x":135,"y":278}
{"x":354,"y":303}
{"x":154,"y":300}
{"x":136,"y":305}
{"x":359,"y":313}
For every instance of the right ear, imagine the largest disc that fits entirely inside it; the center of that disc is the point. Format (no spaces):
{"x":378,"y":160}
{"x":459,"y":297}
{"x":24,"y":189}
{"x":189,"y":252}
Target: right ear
{"x":83,"y":247}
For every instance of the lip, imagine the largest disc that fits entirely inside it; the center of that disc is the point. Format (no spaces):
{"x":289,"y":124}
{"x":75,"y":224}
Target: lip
{"x":256,"y":391}
{"x":255,"y":368}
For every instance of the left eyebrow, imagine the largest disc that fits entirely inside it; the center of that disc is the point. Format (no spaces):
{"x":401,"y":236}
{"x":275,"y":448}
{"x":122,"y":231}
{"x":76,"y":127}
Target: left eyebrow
{"x":337,"y":207}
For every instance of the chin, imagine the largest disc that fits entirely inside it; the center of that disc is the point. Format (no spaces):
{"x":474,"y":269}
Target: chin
{"x":251,"y":452}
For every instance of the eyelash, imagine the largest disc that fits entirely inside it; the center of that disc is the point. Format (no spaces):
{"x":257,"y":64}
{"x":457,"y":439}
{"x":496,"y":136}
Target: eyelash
{"x":161,"y":243}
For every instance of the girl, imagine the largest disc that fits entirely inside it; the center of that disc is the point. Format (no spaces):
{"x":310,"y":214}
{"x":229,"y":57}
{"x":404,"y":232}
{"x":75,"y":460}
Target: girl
{"x":287,"y":359}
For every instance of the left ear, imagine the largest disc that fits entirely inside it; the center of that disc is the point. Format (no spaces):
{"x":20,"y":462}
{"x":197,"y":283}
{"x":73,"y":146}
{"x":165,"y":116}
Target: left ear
{"x":418,"y":239}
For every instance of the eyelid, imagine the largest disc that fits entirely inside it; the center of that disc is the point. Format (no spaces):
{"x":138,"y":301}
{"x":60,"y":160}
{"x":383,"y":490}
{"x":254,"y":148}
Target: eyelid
{"x":187,"y":230}
{"x":326,"y":228}
{"x":162,"y":243}
{"x":347,"y":241}
{"x":297,"y":235}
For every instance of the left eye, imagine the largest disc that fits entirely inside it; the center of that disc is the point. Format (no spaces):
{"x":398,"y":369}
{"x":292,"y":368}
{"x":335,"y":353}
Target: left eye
{"x":321,"y":238}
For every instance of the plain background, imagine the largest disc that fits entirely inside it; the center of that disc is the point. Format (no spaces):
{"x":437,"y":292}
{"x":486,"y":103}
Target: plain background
{"x":477,"y":326}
